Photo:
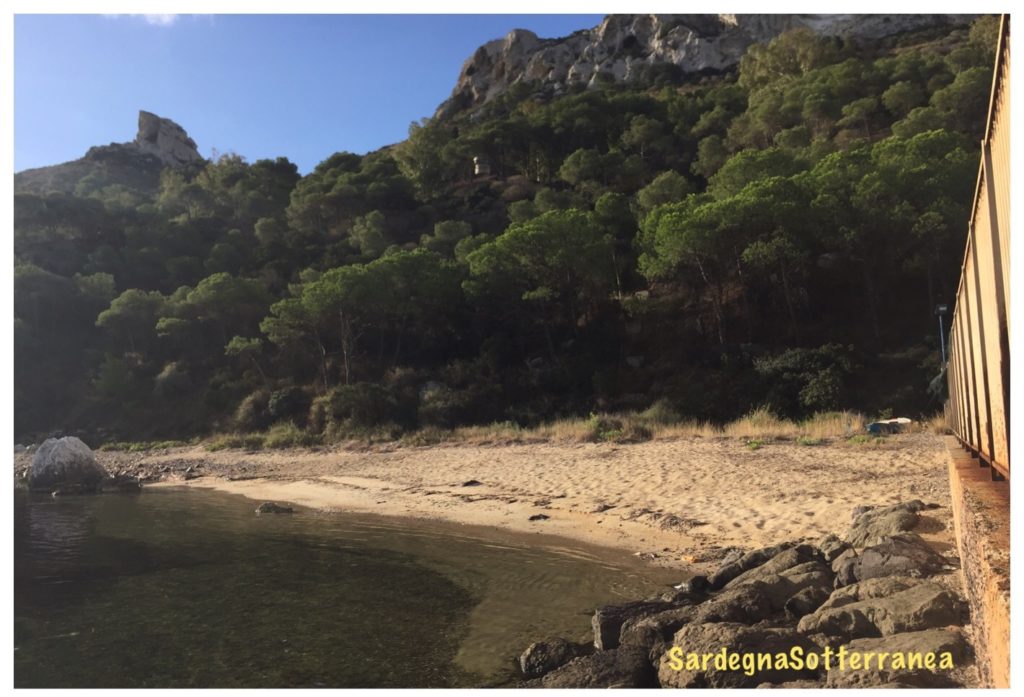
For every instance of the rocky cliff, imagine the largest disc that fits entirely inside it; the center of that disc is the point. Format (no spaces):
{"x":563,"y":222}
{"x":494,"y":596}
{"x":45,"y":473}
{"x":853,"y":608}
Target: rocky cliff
{"x":136,"y":164}
{"x":623,"y":46}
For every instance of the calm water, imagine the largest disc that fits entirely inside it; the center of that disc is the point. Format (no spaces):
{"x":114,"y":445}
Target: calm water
{"x":176,"y":588}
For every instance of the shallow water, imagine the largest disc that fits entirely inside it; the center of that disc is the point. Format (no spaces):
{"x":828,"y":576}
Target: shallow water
{"x":175,"y":588}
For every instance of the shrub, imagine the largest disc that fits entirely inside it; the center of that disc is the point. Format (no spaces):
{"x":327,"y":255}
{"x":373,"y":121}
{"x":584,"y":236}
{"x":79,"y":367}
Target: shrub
{"x":362,"y":405}
{"x":287,"y":435}
{"x":290,"y":403}
{"x":253,"y":414}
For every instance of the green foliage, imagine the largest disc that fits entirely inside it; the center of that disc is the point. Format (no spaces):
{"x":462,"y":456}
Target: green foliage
{"x":705,"y":242}
{"x":253,"y":413}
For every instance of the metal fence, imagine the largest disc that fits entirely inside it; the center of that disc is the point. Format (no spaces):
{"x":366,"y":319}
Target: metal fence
{"x":978,"y":370}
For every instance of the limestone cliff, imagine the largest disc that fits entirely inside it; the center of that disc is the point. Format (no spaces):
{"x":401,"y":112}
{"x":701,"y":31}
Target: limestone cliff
{"x":623,"y":46}
{"x":136,"y":165}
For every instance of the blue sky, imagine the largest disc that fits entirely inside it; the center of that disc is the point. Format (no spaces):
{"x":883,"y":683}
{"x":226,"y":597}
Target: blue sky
{"x":301,"y":86}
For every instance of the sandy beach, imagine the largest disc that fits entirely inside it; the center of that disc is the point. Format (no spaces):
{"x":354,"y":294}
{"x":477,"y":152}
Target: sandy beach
{"x":678,"y":502}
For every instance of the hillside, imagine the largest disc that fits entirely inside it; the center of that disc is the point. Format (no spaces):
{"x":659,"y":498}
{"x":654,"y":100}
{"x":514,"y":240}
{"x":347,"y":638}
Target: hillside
{"x":770,"y":227}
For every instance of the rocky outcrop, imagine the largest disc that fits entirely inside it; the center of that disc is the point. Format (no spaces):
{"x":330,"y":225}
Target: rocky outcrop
{"x":627,"y":666}
{"x":918,"y":607}
{"x":733,"y":638}
{"x":935,"y":642}
{"x":65,"y":465}
{"x":904,"y":554}
{"x":542,"y":657}
{"x":166,"y":140}
{"x":135,"y":165}
{"x":625,"y":47}
{"x":782,"y":601}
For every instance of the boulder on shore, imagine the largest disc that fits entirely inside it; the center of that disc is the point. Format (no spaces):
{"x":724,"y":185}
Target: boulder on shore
{"x":271,"y":507}
{"x":66,"y":464}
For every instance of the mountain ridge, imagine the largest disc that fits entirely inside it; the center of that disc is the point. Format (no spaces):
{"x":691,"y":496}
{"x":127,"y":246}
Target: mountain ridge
{"x":622,"y":47}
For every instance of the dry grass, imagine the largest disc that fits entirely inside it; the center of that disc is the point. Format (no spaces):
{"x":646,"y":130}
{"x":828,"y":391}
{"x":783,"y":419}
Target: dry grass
{"x":658,"y":422}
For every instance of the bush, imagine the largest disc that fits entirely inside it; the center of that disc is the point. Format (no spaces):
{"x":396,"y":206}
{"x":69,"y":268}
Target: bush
{"x":291,"y":403}
{"x":172,"y":382}
{"x":362,"y":405}
{"x":288,"y":435}
{"x":253,"y":414}
{"x":661,"y":413}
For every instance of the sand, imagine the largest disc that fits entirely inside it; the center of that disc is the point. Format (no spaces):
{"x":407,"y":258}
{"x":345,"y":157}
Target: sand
{"x":680,"y":502}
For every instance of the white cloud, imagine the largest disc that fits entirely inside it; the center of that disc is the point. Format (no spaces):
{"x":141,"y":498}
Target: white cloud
{"x":161,"y":20}
{"x":155,"y":20}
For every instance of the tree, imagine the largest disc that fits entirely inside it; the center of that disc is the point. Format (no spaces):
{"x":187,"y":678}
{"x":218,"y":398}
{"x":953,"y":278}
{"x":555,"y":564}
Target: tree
{"x":667,"y":187}
{"x":132,"y":317}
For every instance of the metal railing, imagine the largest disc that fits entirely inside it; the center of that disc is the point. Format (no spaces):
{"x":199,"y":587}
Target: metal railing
{"x":978,"y":371}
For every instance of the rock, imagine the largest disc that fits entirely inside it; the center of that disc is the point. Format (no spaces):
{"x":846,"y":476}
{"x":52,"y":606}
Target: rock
{"x":872,"y":526}
{"x":748,"y":603}
{"x":627,"y":666}
{"x":780,"y":562}
{"x":932,"y":641}
{"x":730,"y":638}
{"x":542,"y":657}
{"x":831,"y":547}
{"x":653,"y":631}
{"x":472,"y":482}
{"x":623,"y":47}
{"x":690,"y":590}
{"x":924,"y":606}
{"x":871,"y":588}
{"x":780,"y":587}
{"x":608,"y":620}
{"x":805,"y":601}
{"x":166,"y":140}
{"x":271,"y":507}
{"x":539,"y":516}
{"x":905,"y":554}
{"x":65,"y":463}
{"x":731,"y":570}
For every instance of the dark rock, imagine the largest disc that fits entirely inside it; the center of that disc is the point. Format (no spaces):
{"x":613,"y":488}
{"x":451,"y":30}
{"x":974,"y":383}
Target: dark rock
{"x":780,"y":587}
{"x":924,"y":606}
{"x":932,"y":641}
{"x":871,"y":588}
{"x":66,"y":464}
{"x":905,"y":554}
{"x":653,"y":631}
{"x":542,"y":657}
{"x":732,"y":638}
{"x":787,"y":559}
{"x":831,"y":547}
{"x":805,"y":601}
{"x":608,"y":620}
{"x":271,"y":507}
{"x":472,"y":482}
{"x":695,"y":588}
{"x":627,"y":666}
{"x":539,"y":516}
{"x":748,"y":603}
{"x":872,"y":526}
{"x":731,"y":570}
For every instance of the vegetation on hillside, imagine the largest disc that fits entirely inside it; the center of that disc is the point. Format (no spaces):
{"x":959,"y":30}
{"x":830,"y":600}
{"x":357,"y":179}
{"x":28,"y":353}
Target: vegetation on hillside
{"x":773,"y":237}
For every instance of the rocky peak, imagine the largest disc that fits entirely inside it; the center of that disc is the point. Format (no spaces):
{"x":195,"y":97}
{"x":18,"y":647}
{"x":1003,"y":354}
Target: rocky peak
{"x":622,"y":47}
{"x":166,"y":140}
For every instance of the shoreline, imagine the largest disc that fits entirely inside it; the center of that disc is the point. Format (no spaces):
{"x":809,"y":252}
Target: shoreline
{"x":679,"y":503}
